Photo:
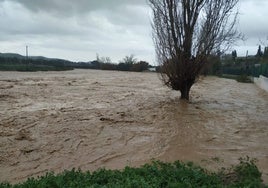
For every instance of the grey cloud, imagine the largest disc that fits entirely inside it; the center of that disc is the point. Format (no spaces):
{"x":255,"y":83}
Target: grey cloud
{"x":70,"y":7}
{"x":101,"y":14}
{"x":253,"y":20}
{"x":78,"y":29}
{"x":83,"y":28}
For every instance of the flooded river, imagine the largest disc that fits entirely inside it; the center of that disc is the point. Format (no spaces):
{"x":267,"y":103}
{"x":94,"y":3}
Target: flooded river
{"x":88,"y":119}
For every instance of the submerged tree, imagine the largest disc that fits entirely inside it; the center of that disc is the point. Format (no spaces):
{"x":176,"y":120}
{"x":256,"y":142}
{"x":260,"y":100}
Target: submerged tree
{"x":186,"y":32}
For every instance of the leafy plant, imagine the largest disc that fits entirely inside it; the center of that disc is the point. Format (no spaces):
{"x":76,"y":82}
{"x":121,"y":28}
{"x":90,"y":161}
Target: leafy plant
{"x":155,"y":174}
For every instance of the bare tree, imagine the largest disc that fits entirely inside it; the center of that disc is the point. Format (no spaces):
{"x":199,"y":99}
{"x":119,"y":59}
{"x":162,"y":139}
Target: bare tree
{"x":129,"y":60}
{"x":186,"y":32}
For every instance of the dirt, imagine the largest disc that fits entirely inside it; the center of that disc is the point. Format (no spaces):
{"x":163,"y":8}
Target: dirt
{"x":88,"y":119}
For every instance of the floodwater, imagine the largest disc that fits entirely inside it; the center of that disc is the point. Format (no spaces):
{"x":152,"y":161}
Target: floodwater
{"x":88,"y":119}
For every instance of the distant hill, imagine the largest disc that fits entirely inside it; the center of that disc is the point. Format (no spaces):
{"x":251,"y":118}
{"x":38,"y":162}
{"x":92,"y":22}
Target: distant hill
{"x":17,"y":62}
{"x":11,"y":55}
{"x":14,"y":55}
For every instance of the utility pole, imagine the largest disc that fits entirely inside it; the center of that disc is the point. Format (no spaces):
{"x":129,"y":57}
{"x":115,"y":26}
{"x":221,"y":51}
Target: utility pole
{"x":26,"y":52}
{"x":27,"y":61}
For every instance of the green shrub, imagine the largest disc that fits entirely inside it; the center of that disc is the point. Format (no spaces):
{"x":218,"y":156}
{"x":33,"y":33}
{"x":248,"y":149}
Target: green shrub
{"x":156,"y":174}
{"x":243,"y":78}
{"x":245,"y":174}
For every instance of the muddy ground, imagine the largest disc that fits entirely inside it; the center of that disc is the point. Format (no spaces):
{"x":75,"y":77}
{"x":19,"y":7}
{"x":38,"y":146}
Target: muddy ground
{"x":52,"y":121}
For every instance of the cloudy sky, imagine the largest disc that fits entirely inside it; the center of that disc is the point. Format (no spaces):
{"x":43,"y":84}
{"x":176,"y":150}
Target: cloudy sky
{"x":77,"y":30}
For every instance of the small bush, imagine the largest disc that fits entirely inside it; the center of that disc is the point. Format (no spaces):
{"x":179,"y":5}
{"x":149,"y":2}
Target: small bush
{"x":243,"y":78}
{"x":245,"y":174}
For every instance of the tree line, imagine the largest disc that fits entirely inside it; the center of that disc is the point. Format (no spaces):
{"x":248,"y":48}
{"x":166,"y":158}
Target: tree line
{"x":15,"y":62}
{"x":128,"y":63}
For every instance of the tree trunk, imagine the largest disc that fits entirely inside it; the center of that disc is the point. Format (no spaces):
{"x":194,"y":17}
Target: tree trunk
{"x":185,"y":91}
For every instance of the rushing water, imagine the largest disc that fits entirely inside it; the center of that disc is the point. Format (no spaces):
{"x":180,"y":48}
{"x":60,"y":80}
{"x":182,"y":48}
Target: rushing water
{"x":52,"y":121}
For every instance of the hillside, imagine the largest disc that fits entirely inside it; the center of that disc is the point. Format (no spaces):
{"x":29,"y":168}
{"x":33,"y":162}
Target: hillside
{"x":17,"y":62}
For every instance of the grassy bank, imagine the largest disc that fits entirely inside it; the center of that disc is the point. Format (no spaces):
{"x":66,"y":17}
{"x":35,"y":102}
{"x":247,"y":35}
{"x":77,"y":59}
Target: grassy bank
{"x":156,"y":174}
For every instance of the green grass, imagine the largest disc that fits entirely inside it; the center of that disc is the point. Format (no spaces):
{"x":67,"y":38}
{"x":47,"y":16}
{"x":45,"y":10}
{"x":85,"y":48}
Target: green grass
{"x":156,"y":174}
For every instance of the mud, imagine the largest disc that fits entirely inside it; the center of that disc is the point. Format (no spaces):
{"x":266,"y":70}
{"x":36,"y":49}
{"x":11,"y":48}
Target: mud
{"x":52,"y":121}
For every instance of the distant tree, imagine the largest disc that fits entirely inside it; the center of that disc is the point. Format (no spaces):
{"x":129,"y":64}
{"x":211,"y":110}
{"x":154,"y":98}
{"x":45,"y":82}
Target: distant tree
{"x":259,"y":52}
{"x":97,"y":57}
{"x":103,"y":59}
{"x":126,"y":63}
{"x":234,"y":55}
{"x":185,"y":32}
{"x":129,"y":59}
{"x":104,"y":63}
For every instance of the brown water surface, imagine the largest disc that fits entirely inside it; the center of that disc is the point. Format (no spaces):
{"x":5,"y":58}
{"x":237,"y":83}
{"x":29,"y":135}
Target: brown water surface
{"x":52,"y":121}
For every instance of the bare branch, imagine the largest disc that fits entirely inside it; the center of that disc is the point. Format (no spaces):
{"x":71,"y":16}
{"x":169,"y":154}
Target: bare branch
{"x":186,"y":32}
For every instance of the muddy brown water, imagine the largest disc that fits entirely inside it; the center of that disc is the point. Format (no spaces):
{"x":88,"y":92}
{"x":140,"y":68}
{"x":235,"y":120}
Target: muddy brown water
{"x":88,"y":119}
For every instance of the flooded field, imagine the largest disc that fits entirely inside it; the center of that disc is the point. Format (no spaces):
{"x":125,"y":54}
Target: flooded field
{"x":87,"y":119}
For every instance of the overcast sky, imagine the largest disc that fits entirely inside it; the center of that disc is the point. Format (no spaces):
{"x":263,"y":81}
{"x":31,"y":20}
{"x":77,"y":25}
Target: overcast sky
{"x":79,"y":29}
